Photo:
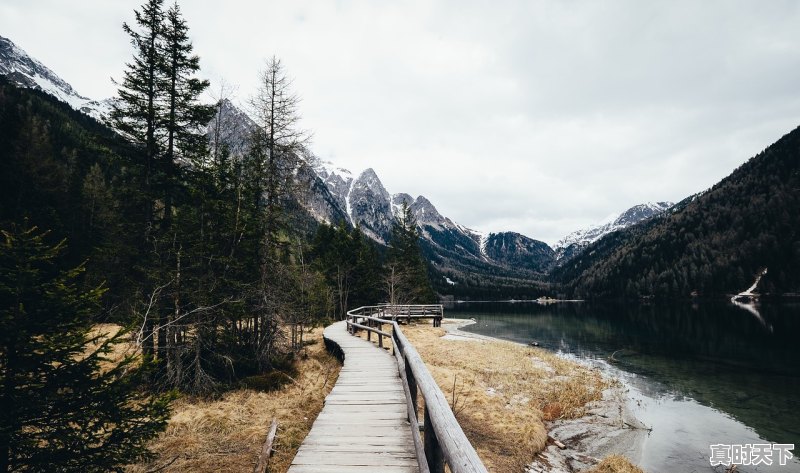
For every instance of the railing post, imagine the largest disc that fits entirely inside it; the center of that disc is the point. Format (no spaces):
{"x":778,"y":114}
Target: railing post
{"x":433,"y":451}
{"x":369,"y":332}
{"x":412,"y":385}
{"x":380,"y":337}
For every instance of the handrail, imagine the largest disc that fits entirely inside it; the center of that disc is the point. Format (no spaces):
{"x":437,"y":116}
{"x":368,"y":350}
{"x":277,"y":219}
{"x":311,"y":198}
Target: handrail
{"x":445,"y":441}
{"x":410,"y":311}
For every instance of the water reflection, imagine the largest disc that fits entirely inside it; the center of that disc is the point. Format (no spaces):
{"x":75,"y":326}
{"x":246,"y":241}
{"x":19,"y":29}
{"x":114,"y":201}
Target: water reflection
{"x":751,"y":307}
{"x":740,"y":361}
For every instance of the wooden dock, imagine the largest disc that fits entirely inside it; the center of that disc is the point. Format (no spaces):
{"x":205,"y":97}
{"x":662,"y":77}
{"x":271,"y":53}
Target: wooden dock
{"x":364,"y":425}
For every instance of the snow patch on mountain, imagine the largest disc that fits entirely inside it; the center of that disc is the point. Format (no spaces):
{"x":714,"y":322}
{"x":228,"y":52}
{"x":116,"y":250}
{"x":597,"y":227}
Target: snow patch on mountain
{"x":579,"y":239}
{"x":339,"y":182}
{"x":28,"y":72}
{"x":397,"y":203}
{"x":482,"y":238}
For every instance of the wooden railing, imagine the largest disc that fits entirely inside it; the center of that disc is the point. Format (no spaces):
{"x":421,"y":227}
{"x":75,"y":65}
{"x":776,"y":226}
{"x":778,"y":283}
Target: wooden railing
{"x":406,"y":311}
{"x":444,"y":442}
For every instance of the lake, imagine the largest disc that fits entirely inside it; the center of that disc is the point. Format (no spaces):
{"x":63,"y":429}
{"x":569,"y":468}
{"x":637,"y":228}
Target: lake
{"x":699,"y":373}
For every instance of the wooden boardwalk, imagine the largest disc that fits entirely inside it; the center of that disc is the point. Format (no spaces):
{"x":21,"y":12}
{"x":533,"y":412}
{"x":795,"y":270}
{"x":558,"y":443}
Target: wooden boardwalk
{"x":364,"y":425}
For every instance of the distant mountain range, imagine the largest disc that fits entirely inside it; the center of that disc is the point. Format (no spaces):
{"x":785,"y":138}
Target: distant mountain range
{"x":462,"y":259}
{"x":715,"y":242}
{"x":576,"y":242}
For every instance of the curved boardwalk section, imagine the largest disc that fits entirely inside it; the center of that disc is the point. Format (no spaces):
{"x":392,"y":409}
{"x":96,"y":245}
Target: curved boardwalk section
{"x":364,"y":425}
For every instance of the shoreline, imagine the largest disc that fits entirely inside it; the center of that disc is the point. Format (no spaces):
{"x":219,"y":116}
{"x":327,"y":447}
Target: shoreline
{"x":609,"y":427}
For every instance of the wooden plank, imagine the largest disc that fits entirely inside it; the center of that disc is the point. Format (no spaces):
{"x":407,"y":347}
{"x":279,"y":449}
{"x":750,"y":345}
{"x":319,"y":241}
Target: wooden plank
{"x":350,"y":469}
{"x":363,"y":426}
{"x":266,"y":450}
{"x":364,"y":422}
{"x":356,"y":459}
{"x":365,"y":395}
{"x":353,"y":448}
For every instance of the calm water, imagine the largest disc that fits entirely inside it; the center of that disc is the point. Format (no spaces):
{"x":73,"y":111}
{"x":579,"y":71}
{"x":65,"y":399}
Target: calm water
{"x":699,"y":374}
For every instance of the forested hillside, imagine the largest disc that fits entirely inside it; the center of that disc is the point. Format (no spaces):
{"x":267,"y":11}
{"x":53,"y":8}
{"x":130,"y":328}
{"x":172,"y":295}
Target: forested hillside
{"x":714,"y":244}
{"x":56,"y":173}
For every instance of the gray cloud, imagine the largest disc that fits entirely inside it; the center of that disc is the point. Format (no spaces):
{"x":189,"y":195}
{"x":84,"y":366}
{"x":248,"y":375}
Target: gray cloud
{"x":539,"y":117}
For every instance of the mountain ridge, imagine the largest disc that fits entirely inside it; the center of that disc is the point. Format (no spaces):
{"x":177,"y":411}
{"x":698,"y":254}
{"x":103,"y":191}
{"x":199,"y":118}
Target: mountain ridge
{"x":27,"y":71}
{"x":337,"y":194}
{"x":712,"y":243}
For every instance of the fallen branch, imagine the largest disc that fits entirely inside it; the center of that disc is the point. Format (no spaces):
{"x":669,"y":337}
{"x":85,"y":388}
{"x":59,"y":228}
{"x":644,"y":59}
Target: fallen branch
{"x":266,"y":450}
{"x":589,"y":460}
{"x":556,"y":442}
{"x":642,"y":427}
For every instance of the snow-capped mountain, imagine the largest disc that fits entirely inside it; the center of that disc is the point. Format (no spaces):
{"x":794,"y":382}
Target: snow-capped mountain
{"x":339,"y":182}
{"x":17,"y":66}
{"x":574,"y":243}
{"x":334,"y":194}
{"x":366,"y":203}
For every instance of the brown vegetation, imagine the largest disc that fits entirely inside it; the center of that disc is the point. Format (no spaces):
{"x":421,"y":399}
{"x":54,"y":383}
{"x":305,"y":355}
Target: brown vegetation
{"x":502,"y":392}
{"x":226,"y":434}
{"x":615,"y":464}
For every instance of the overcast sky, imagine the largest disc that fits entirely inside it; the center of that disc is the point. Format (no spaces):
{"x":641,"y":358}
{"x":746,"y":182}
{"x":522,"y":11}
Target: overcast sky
{"x":533,"y":116}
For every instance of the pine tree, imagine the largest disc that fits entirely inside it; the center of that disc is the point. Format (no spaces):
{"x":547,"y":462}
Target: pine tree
{"x":406,"y":274}
{"x":366,"y":272}
{"x":138,"y":111}
{"x":184,"y":114}
{"x":184,"y":164}
{"x":67,"y":406}
{"x":138,"y":114}
{"x":350,"y":264}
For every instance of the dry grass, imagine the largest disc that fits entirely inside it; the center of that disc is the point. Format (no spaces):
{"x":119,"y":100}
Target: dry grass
{"x":118,"y":351}
{"x":503,"y":392}
{"x":615,"y":464}
{"x":226,"y":435}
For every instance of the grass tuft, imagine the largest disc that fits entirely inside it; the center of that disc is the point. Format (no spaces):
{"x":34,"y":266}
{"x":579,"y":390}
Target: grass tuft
{"x":615,"y":464}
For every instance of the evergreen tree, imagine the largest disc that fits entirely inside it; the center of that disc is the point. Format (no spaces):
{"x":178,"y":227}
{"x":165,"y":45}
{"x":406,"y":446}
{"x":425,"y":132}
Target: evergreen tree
{"x":184,"y":114}
{"x":350,"y":265}
{"x":138,"y":111}
{"x":138,"y":114}
{"x":406,"y":274}
{"x":160,"y":109}
{"x":67,"y":406}
{"x":367,"y":270}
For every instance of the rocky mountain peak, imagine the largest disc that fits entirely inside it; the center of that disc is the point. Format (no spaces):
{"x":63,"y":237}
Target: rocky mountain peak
{"x":574,"y":243}
{"x":640,"y":212}
{"x":369,"y":205}
{"x":28,"y":72}
{"x":402,"y":197}
{"x":426,"y":213}
{"x":369,"y":178}
{"x":230,"y":127}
